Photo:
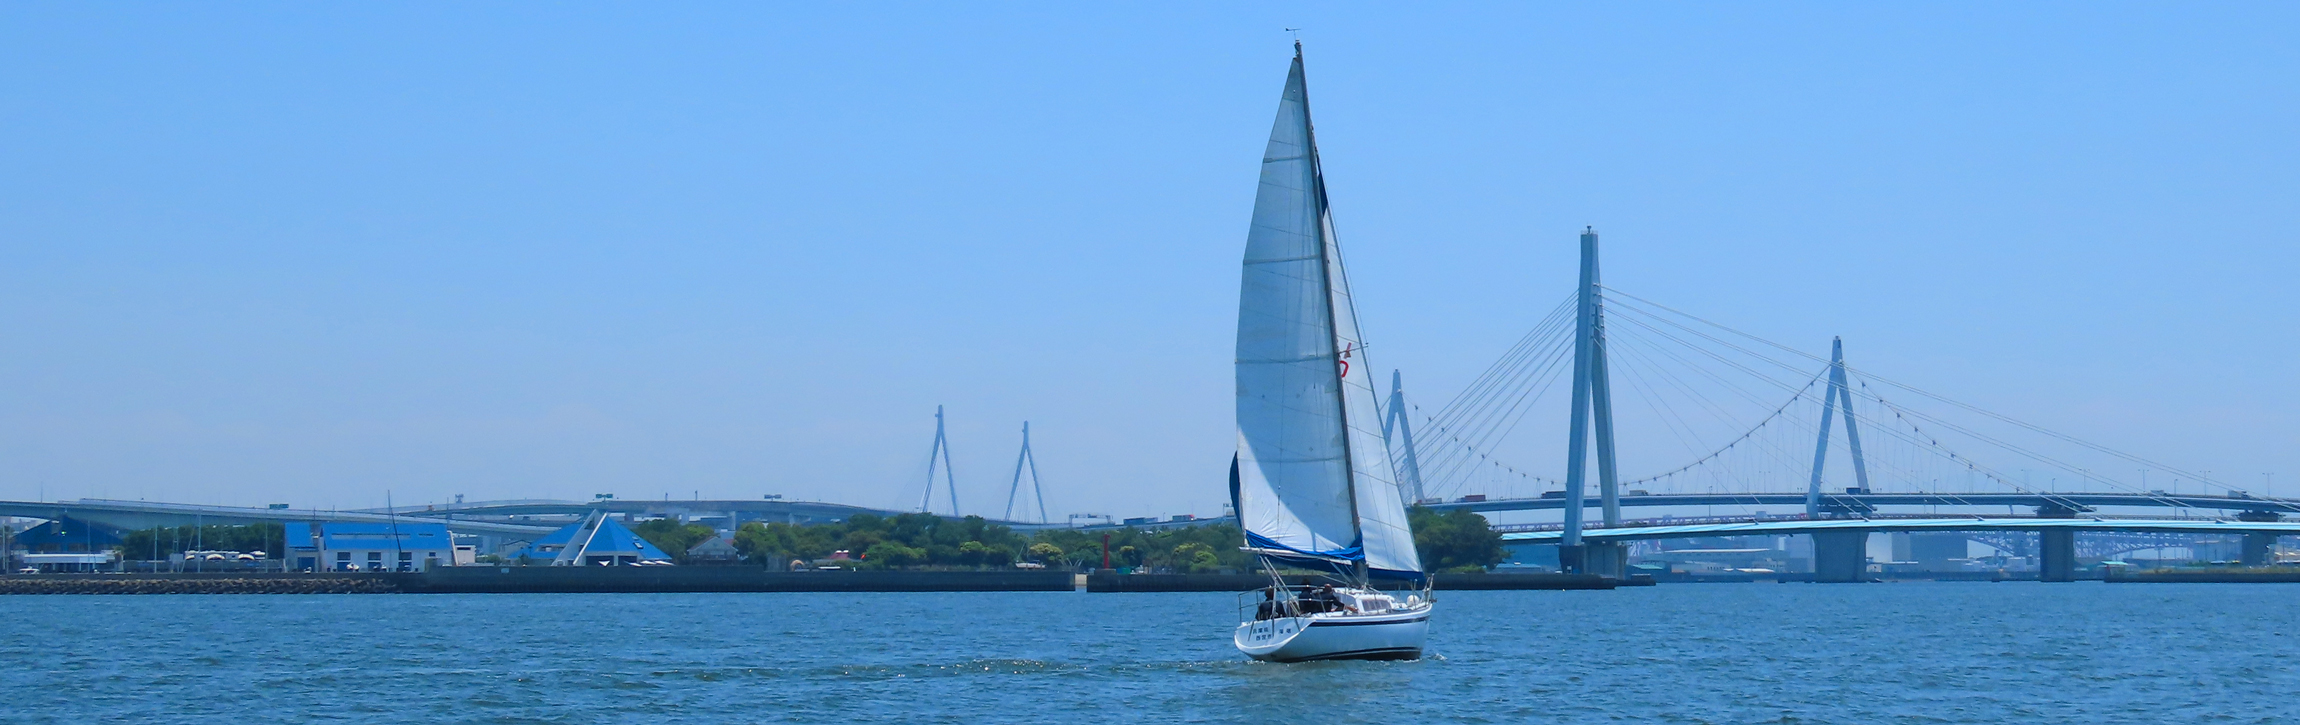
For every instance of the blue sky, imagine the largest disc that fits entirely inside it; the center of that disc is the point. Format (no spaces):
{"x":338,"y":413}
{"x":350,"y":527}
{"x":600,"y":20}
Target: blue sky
{"x":308,"y":254}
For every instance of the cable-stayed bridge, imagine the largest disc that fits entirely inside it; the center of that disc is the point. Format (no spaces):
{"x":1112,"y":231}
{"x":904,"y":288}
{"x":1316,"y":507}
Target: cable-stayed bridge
{"x":1787,"y":441}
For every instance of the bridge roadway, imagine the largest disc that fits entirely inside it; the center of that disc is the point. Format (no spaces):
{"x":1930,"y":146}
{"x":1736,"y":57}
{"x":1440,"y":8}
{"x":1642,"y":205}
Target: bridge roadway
{"x":137,"y":515}
{"x":1872,"y":501}
{"x":1840,"y":545}
{"x":1888,"y":524}
{"x":510,"y":520}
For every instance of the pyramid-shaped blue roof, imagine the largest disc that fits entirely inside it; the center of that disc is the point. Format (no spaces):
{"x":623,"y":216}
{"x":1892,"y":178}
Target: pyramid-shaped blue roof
{"x":613,"y":539}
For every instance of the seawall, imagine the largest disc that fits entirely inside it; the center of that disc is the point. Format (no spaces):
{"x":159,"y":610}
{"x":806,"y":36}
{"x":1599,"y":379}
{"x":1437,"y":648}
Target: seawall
{"x":2207,"y":576}
{"x":544,"y":579}
{"x":536,"y":579}
{"x":212,"y":583}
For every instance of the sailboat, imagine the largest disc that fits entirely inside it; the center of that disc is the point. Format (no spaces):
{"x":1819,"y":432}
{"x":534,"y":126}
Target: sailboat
{"x":1312,"y":481}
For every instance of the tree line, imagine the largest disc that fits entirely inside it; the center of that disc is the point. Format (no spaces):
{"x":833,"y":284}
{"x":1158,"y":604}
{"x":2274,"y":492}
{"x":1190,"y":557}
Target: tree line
{"x":1452,"y":541}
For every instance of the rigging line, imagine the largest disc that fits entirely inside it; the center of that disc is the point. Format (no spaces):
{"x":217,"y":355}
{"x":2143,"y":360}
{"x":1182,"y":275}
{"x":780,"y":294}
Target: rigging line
{"x":1445,"y":479}
{"x":1920,"y":432}
{"x":1667,"y":335}
{"x":2131,"y":458}
{"x":1991,"y":472}
{"x":1779,"y":456}
{"x":1453,"y":466}
{"x":1517,"y":412}
{"x":1475,"y":420}
{"x":1643,"y":357}
{"x":1678,"y":427}
{"x":1769,"y":450}
{"x":1466,"y":445}
{"x":1697,"y":318}
{"x":1713,"y":355}
{"x":1732,"y":421}
{"x":1524,"y":346}
{"x":2056,"y":463}
{"x":1713,"y":338}
{"x":1479,"y":429}
{"x":1999,"y":477}
{"x":1527,"y":379}
{"x":1650,"y":394}
{"x":1744,"y":436}
{"x":1936,"y":396}
{"x":1713,"y":407}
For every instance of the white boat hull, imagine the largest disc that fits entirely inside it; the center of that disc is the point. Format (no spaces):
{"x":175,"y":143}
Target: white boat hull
{"x":1393,"y":635}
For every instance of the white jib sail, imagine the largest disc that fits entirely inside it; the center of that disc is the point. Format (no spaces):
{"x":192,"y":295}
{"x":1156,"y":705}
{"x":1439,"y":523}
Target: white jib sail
{"x":1313,"y":473}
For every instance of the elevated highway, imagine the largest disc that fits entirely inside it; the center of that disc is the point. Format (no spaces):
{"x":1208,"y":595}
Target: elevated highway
{"x":1976,"y":523}
{"x":1873,"y":501}
{"x":1840,"y":545}
{"x":734,"y":510}
{"x":135,"y":515}
{"x":510,"y":520}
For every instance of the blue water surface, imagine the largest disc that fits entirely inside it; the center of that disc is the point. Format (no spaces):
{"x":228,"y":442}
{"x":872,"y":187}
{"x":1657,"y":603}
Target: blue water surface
{"x":1705,"y":653}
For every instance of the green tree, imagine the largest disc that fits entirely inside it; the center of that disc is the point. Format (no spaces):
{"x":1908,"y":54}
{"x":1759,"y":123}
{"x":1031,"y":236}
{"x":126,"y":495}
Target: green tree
{"x":888,"y":555}
{"x":1044,"y":552}
{"x":672,"y":537}
{"x":971,"y":553}
{"x":1195,"y":558}
{"x":1454,"y":541}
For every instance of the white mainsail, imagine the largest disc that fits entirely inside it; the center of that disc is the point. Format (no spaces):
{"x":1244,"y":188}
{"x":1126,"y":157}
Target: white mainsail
{"x":1313,"y":481}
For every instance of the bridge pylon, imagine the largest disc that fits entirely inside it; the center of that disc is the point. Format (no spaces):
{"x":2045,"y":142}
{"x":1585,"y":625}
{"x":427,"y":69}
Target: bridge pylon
{"x":1036,"y":486}
{"x":1592,"y":398}
{"x":1838,"y":391}
{"x":942,"y":449}
{"x":1408,"y":466}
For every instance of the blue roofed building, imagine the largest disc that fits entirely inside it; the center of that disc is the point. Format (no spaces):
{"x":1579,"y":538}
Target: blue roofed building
{"x":347,"y":546}
{"x":67,"y":535}
{"x":596,"y":541}
{"x":66,"y":544}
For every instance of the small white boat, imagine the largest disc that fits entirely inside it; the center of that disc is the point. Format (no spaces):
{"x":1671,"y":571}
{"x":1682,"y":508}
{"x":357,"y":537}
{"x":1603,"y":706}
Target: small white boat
{"x":1312,"y":481}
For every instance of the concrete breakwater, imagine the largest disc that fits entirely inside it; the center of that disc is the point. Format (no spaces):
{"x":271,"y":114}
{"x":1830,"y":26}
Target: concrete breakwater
{"x":538,"y":579}
{"x":545,"y":579}
{"x":600,"y":579}
{"x":2209,"y":576}
{"x":235,"y":583}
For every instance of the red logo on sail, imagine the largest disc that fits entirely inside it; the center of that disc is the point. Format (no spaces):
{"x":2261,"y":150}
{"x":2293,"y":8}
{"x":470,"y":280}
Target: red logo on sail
{"x":1345,"y":360}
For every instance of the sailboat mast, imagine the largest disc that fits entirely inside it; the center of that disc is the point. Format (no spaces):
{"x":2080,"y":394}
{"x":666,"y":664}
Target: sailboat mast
{"x":1319,"y":218}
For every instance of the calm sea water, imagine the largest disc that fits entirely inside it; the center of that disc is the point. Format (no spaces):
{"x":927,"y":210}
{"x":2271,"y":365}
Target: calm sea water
{"x":1718,"y":653}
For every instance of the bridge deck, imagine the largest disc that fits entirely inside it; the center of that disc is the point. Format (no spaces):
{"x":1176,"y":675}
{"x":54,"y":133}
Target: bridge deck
{"x":1880,"y":499}
{"x":1754,"y":528}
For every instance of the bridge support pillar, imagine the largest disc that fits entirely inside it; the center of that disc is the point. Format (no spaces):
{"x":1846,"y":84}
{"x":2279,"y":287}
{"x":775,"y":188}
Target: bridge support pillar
{"x":2259,"y":548}
{"x":1840,"y":557}
{"x":1609,"y":560}
{"x":2056,"y":555}
{"x":1572,"y":559}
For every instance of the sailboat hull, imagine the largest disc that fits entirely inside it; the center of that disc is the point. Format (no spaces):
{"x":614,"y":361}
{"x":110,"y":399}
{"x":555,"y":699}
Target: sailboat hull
{"x":1396,"y":635}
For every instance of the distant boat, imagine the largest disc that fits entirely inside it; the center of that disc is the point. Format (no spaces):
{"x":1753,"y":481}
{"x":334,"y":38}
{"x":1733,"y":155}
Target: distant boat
{"x":1312,"y":482}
